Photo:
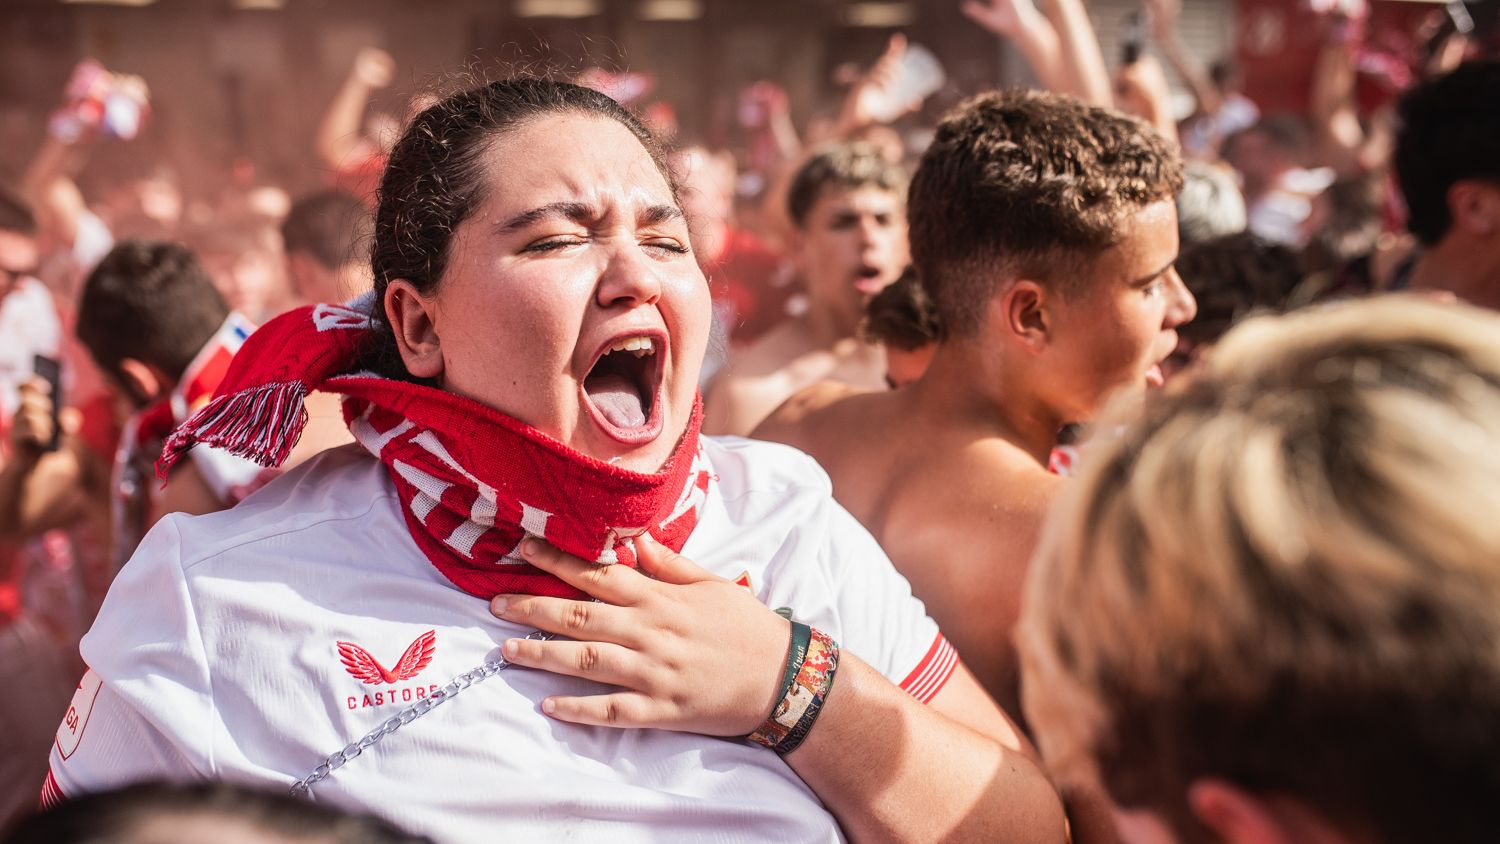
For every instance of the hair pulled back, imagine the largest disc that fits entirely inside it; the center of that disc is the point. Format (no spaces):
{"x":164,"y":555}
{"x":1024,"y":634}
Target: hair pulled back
{"x":435,"y":178}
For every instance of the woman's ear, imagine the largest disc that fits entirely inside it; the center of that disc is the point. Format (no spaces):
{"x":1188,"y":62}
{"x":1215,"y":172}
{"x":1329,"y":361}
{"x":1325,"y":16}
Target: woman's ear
{"x":413,"y":319}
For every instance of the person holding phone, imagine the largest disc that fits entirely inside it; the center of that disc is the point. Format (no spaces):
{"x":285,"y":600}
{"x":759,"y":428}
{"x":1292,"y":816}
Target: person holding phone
{"x":31,"y":656}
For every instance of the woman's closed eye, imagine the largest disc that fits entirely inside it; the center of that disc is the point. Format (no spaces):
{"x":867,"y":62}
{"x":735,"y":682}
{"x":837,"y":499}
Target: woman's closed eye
{"x":668,"y":245}
{"x":553,"y":244}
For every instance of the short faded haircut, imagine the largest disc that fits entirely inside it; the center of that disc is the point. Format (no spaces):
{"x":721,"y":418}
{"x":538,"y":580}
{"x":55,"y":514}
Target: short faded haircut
{"x":1027,"y":183}
{"x":1286,"y":575}
{"x":841,"y":167}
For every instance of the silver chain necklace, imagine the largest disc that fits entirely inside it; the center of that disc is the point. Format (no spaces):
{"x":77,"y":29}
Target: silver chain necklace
{"x":303,"y":787}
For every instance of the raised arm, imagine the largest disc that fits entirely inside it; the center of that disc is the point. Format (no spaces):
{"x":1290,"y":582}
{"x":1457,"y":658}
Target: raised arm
{"x":1019,"y":22}
{"x":1082,"y":57}
{"x":340,"y":140}
{"x":1165,"y":15}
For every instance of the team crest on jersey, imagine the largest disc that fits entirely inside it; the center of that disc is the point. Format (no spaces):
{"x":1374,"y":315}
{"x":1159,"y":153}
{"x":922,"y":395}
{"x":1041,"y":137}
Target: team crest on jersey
{"x":70,"y":732}
{"x":363,"y":666}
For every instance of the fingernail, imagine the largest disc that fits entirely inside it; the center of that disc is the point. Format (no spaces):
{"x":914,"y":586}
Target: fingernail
{"x":549,"y":706}
{"x":500,"y":604}
{"x":510,"y":648}
{"x":530,"y":547}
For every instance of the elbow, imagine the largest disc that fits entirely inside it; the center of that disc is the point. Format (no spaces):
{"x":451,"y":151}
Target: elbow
{"x":1035,"y":809}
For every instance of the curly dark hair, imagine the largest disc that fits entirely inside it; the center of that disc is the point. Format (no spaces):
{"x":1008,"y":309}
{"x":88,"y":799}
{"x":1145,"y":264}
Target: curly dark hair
{"x":1232,"y":277}
{"x":1027,"y":183}
{"x":1449,"y":131}
{"x":435,"y":178}
{"x":843,"y":166}
{"x":901,"y":315}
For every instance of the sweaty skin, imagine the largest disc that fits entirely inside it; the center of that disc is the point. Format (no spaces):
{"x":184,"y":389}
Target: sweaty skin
{"x":852,"y":245}
{"x":950,"y":473}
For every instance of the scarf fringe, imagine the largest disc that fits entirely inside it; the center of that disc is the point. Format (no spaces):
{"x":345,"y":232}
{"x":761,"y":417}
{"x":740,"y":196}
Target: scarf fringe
{"x":261,"y":424}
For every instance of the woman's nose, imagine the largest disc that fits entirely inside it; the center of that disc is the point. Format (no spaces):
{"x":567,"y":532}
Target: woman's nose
{"x":629,"y":279}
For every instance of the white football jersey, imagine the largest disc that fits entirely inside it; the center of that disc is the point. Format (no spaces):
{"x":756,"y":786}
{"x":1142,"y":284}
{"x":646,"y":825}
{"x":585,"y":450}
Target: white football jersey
{"x":251,"y":644}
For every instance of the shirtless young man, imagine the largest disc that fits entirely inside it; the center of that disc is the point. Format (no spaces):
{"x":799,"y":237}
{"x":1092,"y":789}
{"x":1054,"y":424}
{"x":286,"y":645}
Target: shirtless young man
{"x":849,"y":243}
{"x":1052,"y":280}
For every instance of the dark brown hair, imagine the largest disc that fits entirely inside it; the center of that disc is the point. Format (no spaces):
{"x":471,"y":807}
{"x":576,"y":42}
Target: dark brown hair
{"x":841,"y":167}
{"x":151,"y":301}
{"x":901,"y":315}
{"x":331,"y":226}
{"x":1027,"y":183}
{"x":1449,"y":132}
{"x":435,"y":178}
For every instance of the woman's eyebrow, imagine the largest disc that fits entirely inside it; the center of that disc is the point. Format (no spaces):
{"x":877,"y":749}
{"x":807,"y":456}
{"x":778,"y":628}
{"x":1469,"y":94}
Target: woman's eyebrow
{"x":577,"y":212}
{"x":656,"y":214}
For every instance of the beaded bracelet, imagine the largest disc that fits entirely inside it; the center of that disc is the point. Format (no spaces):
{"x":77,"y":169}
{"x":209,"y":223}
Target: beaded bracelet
{"x":807,"y":679}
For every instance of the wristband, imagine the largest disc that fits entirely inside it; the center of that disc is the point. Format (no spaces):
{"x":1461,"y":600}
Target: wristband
{"x":811,"y":672}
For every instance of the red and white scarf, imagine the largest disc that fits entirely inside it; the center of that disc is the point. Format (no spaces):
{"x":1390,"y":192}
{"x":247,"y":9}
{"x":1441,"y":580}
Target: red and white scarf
{"x":473,"y":482}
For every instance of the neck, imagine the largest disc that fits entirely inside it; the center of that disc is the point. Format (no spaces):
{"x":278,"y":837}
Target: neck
{"x":352,"y":279}
{"x":827,"y":326}
{"x":963,"y":385}
{"x":1467,"y":268}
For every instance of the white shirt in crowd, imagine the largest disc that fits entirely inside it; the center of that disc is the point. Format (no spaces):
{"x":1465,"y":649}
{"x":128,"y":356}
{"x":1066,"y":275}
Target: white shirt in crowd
{"x":28,"y":327}
{"x":221,"y":652}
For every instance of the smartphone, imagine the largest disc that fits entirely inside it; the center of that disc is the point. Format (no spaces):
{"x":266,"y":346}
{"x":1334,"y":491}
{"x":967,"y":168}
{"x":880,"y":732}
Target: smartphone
{"x":49,"y":370}
{"x":1134,"y":42}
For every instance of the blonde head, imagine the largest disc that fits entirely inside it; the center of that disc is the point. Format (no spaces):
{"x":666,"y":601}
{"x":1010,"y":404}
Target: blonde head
{"x":1287,"y":574}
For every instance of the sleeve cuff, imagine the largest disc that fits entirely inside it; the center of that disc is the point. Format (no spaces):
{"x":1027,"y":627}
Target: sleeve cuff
{"x":932,"y":673}
{"x":52,"y":793}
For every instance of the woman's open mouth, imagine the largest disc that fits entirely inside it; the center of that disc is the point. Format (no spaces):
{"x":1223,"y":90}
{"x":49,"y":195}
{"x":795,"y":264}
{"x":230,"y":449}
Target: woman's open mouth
{"x":622,"y":390}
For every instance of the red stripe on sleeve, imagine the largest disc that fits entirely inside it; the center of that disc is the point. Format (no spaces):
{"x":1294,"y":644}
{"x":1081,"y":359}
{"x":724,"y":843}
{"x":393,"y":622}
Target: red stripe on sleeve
{"x":52,"y":793}
{"x":930,"y":675}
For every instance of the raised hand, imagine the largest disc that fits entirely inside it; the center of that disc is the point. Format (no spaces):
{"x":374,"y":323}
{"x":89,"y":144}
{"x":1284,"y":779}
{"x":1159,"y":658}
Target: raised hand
{"x":31,"y":427}
{"x":690,"y":651}
{"x":1004,"y":18}
{"x":374,"y":67}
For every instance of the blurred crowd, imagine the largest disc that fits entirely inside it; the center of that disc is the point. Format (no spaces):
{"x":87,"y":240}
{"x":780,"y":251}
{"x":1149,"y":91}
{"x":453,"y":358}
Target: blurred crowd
{"x":123,"y":301}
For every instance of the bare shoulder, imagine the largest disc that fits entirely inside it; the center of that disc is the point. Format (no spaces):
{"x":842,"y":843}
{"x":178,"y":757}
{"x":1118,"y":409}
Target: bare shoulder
{"x":985,"y":494}
{"x":756,"y":381}
{"x":806,"y":408}
{"x":772,"y":353}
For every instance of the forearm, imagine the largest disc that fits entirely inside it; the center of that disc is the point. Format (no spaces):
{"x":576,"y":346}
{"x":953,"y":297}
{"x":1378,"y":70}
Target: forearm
{"x":1082,"y":57}
{"x":893,"y":769}
{"x":38,"y":492}
{"x":52,"y":194}
{"x":1042,"y":49}
{"x":339,"y":132}
{"x":1334,"y":116}
{"x":1177,"y":55}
